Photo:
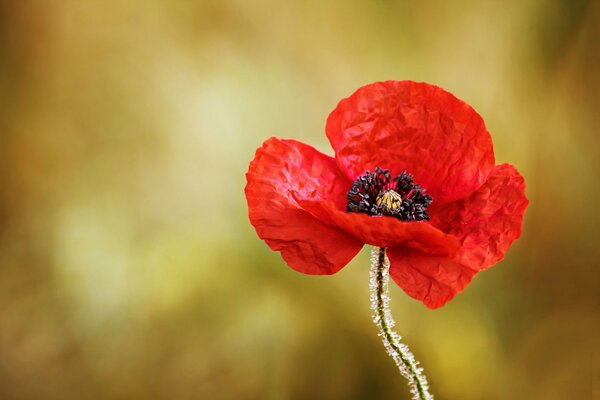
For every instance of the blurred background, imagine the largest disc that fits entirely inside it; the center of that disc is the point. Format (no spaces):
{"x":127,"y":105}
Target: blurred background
{"x":128,"y":267}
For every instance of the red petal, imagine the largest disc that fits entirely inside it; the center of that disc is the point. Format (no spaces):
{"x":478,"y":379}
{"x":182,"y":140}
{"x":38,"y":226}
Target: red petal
{"x":305,"y":243}
{"x":434,"y":280}
{"x":486,"y":223}
{"x":490,"y":220}
{"x":382,"y":231}
{"x":421,"y":128}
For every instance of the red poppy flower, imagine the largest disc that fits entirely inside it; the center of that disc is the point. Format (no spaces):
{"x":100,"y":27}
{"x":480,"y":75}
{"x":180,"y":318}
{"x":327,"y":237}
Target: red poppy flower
{"x":413,"y":171}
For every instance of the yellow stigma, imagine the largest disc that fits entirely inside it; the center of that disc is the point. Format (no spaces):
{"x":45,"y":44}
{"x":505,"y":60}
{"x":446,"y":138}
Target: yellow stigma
{"x":389,"y":201}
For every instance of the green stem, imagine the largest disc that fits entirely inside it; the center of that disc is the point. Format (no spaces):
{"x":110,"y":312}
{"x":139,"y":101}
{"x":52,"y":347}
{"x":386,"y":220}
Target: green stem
{"x":382,"y":317}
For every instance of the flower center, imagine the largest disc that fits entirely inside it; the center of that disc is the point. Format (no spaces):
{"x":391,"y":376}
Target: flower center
{"x":376,"y":193}
{"x":388,"y":201}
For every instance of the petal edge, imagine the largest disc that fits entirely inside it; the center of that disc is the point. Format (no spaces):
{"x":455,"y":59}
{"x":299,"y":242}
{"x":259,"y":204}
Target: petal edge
{"x":305,"y":243}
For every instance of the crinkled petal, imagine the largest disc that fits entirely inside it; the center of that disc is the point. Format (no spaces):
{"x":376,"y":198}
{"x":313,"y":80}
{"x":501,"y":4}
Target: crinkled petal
{"x":432,"y":279}
{"x":421,"y":128}
{"x":489,"y":221}
{"x":486,"y":223}
{"x":306,"y":244}
{"x":382,"y":231}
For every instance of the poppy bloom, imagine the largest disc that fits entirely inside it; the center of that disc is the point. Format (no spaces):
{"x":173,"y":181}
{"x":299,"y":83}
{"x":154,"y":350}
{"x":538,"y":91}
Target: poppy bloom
{"x":413,"y":172}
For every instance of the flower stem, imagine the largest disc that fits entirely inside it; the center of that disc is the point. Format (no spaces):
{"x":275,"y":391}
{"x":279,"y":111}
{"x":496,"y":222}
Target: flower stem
{"x":382,"y":317}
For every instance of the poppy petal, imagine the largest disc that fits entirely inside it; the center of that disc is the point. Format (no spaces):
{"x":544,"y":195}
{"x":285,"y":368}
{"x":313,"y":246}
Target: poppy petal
{"x":434,"y":280}
{"x":417,"y":127}
{"x":305,"y":243}
{"x":490,"y":220}
{"x":382,"y":231}
{"x":486,"y":223}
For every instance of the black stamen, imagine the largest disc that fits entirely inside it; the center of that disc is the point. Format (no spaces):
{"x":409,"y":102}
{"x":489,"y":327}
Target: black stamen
{"x":375,"y":193}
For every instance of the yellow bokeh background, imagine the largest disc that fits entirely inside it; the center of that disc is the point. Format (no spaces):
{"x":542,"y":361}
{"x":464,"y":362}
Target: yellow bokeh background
{"x":128,"y":267}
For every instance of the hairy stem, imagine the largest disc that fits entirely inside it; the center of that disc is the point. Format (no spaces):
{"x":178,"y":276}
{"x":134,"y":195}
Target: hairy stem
{"x":382,"y":317}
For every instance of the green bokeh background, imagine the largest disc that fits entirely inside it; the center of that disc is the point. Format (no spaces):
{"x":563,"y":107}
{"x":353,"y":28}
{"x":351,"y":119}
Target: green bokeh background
{"x":128,"y":267}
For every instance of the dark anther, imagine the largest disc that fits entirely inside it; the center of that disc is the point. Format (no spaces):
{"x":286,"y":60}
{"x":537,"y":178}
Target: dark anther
{"x":376,"y":193}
